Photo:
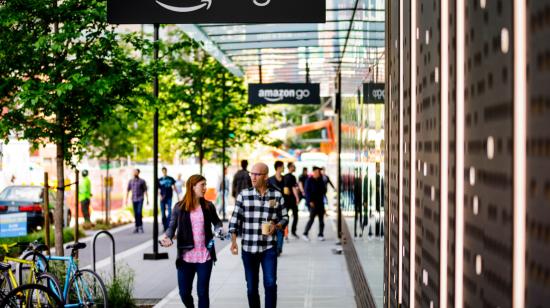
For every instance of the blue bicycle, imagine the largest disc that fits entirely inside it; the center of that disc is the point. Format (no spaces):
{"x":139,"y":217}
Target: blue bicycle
{"x":82,"y":288}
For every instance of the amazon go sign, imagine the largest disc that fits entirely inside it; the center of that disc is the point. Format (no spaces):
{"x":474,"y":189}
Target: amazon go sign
{"x":373,"y":93}
{"x":284,"y":93}
{"x":215,"y":11}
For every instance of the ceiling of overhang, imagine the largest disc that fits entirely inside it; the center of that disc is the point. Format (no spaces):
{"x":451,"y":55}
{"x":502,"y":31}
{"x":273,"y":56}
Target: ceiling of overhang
{"x":352,"y":40}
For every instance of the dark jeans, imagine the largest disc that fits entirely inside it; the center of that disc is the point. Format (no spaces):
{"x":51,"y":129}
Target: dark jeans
{"x":252,"y":262}
{"x":280,"y":240}
{"x":138,"y":207}
{"x":85,"y":205}
{"x":186,"y":275}
{"x":316,"y":213}
{"x":294,"y":209}
{"x":166,"y":205}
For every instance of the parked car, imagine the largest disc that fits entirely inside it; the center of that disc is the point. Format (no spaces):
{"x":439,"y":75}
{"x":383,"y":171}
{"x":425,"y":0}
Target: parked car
{"x":30,"y":200}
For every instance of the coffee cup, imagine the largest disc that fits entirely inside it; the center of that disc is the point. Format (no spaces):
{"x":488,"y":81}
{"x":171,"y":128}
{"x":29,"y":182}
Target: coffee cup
{"x":266,"y":225}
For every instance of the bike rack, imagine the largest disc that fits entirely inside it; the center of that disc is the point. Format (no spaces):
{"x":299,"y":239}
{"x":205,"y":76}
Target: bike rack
{"x":113,"y":248}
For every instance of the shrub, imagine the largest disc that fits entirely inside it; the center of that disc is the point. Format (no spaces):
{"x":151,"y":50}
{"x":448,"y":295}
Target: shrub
{"x":119,"y":289}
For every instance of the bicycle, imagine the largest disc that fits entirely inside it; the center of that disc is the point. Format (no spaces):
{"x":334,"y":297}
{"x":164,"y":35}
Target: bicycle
{"x":82,"y":288}
{"x":29,"y":272}
{"x":31,"y":295}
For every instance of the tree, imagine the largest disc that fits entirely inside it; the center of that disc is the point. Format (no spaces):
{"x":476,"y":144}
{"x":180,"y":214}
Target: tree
{"x":63,"y":71}
{"x":206,"y":105}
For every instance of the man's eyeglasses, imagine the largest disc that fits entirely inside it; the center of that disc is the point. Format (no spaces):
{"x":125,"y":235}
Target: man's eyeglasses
{"x":256,"y":174}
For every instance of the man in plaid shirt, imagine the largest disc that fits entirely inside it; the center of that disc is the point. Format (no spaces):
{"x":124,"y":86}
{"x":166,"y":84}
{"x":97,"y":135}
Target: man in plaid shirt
{"x":253,"y":207}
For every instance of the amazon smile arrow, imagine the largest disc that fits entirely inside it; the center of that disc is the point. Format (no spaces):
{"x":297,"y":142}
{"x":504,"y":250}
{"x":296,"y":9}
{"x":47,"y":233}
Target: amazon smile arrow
{"x":180,"y":9}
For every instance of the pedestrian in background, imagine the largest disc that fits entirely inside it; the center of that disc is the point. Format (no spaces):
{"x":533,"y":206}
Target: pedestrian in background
{"x":179,"y":186}
{"x":167,"y":186}
{"x":290,"y":192}
{"x":223,"y":192}
{"x":302,"y":184}
{"x":241,"y":179}
{"x":138,"y":187}
{"x":259,"y":212}
{"x":315,"y":194}
{"x":277,"y":182}
{"x":193,"y":219}
{"x":85,"y":195}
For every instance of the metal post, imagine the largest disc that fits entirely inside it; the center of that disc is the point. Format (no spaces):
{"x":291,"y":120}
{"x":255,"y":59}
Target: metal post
{"x":76,"y":208}
{"x":339,"y":162}
{"x":223,"y":151}
{"x":155,"y":255}
{"x":46,"y":211}
{"x":260,"y":67}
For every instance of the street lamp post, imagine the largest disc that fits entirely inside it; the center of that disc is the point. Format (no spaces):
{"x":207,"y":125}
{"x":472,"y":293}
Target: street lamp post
{"x":155,"y":255}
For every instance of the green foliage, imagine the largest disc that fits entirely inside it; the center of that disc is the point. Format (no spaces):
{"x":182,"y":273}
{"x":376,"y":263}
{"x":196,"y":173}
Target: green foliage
{"x":68,"y":236}
{"x":119,"y":289}
{"x":63,"y":71}
{"x":204,"y":104}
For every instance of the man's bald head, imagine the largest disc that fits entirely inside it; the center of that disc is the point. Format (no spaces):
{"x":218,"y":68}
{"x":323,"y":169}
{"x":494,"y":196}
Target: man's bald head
{"x":258,"y":175}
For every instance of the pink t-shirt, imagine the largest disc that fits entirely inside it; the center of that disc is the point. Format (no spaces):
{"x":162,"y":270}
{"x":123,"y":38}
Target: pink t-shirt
{"x":199,"y":254}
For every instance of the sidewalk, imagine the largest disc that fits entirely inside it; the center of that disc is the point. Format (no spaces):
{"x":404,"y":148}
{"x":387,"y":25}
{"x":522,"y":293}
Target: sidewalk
{"x":309,"y":275}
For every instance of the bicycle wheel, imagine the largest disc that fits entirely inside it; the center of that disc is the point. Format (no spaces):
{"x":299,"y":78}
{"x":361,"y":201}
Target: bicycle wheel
{"x":5,"y":285}
{"x":31,"y":295}
{"x":50,"y":281}
{"x":87,"y":289}
{"x":25,"y":269}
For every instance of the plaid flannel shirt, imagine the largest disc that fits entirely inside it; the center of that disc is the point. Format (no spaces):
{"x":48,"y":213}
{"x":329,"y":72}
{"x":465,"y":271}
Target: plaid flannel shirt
{"x":251,"y":209}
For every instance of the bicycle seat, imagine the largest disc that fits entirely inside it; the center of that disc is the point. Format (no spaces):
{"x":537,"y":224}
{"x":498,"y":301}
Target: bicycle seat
{"x":4,"y":266}
{"x":76,"y":246}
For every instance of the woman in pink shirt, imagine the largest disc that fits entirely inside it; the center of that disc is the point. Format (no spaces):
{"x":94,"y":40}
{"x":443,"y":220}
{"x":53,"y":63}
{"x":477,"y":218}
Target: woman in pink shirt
{"x":193,"y":218}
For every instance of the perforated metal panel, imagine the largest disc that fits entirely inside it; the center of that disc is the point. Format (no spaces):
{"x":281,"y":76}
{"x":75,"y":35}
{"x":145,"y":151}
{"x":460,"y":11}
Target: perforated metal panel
{"x":489,"y":157}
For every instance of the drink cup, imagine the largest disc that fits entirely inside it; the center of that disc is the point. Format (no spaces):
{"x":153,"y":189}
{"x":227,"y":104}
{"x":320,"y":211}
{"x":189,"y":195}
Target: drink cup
{"x":266,"y":225}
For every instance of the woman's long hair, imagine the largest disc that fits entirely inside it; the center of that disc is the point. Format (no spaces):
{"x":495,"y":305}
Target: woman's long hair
{"x":190,"y":198}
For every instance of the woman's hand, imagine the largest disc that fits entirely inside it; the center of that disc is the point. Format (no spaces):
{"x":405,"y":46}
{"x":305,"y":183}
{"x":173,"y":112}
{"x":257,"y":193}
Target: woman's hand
{"x":165,"y":241}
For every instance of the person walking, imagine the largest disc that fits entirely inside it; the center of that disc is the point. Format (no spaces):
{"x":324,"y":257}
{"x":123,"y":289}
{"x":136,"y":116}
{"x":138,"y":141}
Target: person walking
{"x":315,"y":194}
{"x":277,"y":182}
{"x":167,"y":186}
{"x":241,"y":180}
{"x":302,"y":184}
{"x":138,"y":187}
{"x":193,"y":219}
{"x":179,"y":186}
{"x":259,"y":212}
{"x":290,"y":192}
{"x":85,"y":195}
{"x":223,"y":193}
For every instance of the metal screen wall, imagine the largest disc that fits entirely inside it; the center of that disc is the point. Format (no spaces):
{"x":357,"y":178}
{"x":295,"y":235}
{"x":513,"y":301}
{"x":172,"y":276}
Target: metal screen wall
{"x":505,"y":242}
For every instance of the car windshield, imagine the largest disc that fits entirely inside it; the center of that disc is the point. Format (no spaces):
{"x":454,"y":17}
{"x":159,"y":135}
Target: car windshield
{"x":33,"y":194}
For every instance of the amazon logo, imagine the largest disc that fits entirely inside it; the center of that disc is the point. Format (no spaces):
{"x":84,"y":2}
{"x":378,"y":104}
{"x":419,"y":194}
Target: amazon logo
{"x":204,"y":4}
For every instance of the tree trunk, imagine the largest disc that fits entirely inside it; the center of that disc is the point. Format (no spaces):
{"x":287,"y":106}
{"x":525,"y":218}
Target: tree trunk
{"x":58,"y":213}
{"x":201,"y":156}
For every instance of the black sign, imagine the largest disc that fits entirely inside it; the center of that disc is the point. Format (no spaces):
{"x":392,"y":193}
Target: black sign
{"x":373,"y":93}
{"x":284,"y":93}
{"x":215,"y":11}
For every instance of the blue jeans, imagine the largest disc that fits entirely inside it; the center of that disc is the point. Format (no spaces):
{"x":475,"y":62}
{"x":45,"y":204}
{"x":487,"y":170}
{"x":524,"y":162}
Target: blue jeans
{"x":166,"y":204}
{"x":138,"y":207}
{"x":252,"y":262}
{"x":280,"y":240}
{"x":186,"y":275}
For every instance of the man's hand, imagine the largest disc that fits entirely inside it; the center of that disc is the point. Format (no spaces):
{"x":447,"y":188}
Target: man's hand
{"x":234,"y":248}
{"x":312,"y":205}
{"x":272,"y":228}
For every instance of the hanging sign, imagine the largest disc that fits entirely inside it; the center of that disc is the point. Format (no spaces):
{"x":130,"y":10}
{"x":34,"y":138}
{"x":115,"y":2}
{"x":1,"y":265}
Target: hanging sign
{"x":284,"y":93}
{"x":215,"y":11}
{"x":373,"y":93}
